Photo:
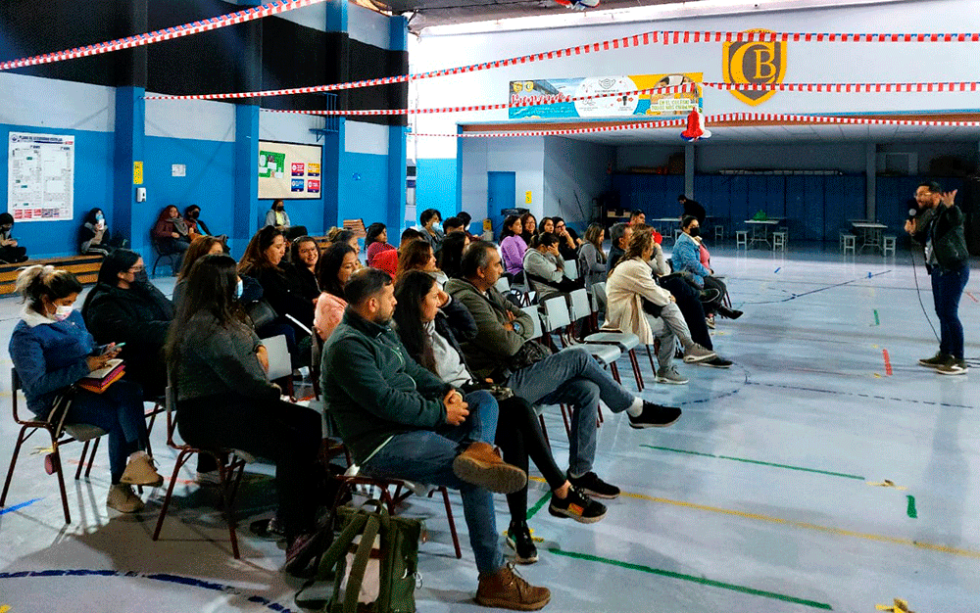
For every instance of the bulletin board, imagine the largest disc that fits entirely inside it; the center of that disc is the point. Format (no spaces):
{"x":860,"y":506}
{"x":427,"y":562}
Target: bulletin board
{"x":40,"y":176}
{"x":289,"y":170}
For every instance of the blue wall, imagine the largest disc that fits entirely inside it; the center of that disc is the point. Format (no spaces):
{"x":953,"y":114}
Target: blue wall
{"x":435,"y":186}
{"x":364,"y":189}
{"x":93,"y":188}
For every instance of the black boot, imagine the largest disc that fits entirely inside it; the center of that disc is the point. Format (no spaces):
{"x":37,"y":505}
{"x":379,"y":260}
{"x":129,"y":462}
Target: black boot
{"x":727,"y":312}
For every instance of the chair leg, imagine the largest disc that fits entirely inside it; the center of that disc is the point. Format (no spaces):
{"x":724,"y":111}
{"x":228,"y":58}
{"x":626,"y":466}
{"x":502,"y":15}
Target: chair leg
{"x":91,"y":457}
{"x":650,"y":355}
{"x":182,"y":458}
{"x":452,"y":522}
{"x":636,"y":370}
{"x":81,"y":461}
{"x":614,"y":371}
{"x":230,"y":506}
{"x":13,"y":462}
{"x":56,"y":462}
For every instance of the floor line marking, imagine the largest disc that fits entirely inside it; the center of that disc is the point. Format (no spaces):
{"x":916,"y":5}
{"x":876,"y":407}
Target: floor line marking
{"x":749,"y":461}
{"x":972,"y":297}
{"x":868,"y":396}
{"x":911,"y":510}
{"x":700,"y":580}
{"x":877,"y":322}
{"x":538,"y":505}
{"x":17,"y":507}
{"x":881,"y":538}
{"x":888,"y":362}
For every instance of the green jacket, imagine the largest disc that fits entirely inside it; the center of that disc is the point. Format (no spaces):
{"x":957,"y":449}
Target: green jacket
{"x":494,"y":345}
{"x":373,"y":390}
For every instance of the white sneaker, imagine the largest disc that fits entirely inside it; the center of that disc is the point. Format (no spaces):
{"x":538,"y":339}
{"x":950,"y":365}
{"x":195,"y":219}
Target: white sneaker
{"x":211,"y":477}
{"x":122,"y":499}
{"x":670,"y":375}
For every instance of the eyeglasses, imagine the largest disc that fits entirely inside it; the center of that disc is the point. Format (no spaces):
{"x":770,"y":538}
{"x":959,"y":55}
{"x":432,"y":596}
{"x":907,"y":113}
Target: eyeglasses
{"x":137,"y":269}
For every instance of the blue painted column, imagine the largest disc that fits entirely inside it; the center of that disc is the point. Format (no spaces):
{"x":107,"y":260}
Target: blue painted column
{"x":335,"y":170}
{"x":397,"y":135}
{"x":247,"y":214}
{"x":130,"y":136}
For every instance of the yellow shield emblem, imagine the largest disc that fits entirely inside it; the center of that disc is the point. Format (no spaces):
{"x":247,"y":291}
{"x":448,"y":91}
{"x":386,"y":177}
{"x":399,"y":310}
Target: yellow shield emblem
{"x":754,"y":62}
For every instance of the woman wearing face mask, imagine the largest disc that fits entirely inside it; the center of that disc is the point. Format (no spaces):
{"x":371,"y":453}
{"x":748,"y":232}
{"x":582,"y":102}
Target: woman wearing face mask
{"x":338,"y":263}
{"x":277,"y":216}
{"x":431,"y":222}
{"x":52,"y":350}
{"x":10,"y":251}
{"x":125,"y":307}
{"x":192,"y":217}
{"x":218,"y":369}
{"x":172,"y":234}
{"x":687,"y":258}
{"x":95,"y":235}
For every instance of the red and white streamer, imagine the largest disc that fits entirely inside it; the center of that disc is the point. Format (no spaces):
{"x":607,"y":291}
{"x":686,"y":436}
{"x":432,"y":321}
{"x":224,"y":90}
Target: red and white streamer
{"x":730,"y":118}
{"x":274,"y":7}
{"x":637,"y":40}
{"x":850,"y":88}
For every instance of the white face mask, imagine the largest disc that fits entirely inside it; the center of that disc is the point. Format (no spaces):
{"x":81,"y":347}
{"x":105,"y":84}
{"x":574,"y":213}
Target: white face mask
{"x":62,"y":312}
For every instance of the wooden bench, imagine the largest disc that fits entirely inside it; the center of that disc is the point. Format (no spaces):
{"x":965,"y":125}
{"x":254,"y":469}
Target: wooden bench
{"x":84,"y":267}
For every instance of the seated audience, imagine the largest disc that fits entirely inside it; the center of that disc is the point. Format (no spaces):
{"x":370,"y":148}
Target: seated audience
{"x":544,"y":268}
{"x":687,"y":258}
{"x":467,"y":219}
{"x":277,"y":216}
{"x":124,"y":307}
{"x":452,"y":224}
{"x":218,"y":367}
{"x":336,"y":266}
{"x":10,"y":251}
{"x":638,"y":217}
{"x":376,"y":242}
{"x":192,"y":216}
{"x":619,"y":238}
{"x":502,"y":350}
{"x":341,"y":235}
{"x":513,"y":247}
{"x":206,"y":245}
{"x":401,"y":421}
{"x":94,"y":234}
{"x":429,"y":336}
{"x":51,"y":351}
{"x":172,"y":234}
{"x":591,"y":257}
{"x":546,"y":226}
{"x":388,"y":260}
{"x":568,"y":241}
{"x":529,"y":227}
{"x":304,"y":255}
{"x":417,"y":255}
{"x":451,"y":254}
{"x":635,"y":301}
{"x":431,"y":219}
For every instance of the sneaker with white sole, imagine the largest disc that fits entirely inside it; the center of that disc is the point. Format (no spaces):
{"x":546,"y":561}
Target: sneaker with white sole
{"x":519,"y":539}
{"x":578,"y":506}
{"x":591,"y":484}
{"x":698,"y":353}
{"x":952,"y":366}
{"x":123,"y":499}
{"x":717,"y":362}
{"x":669,"y":375}
{"x":935,"y":361}
{"x":654,"y":416}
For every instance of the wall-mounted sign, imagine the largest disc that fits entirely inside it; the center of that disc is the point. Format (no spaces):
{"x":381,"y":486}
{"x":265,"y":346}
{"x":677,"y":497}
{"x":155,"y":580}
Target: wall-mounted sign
{"x":547,"y":98}
{"x":178,"y":170}
{"x":754,"y":62}
{"x":289,"y":170}
{"x":40,"y":176}
{"x":137,"y":173}
{"x":527,"y":197}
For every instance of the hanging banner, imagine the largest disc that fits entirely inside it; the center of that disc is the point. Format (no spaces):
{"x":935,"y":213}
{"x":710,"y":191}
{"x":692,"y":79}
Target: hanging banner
{"x":756,"y":62}
{"x":552,"y":98}
{"x":40,"y":176}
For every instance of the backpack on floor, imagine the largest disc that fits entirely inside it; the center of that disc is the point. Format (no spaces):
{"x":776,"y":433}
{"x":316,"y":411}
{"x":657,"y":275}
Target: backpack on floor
{"x":374,"y":561}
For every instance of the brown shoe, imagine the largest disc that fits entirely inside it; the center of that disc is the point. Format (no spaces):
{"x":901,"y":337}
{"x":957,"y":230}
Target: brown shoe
{"x":141,"y":471}
{"x":122,"y":499}
{"x":481,"y":465}
{"x":505,"y":589}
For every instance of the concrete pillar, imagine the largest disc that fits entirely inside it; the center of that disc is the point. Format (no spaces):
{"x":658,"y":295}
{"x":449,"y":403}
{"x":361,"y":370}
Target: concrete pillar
{"x":871,"y":175}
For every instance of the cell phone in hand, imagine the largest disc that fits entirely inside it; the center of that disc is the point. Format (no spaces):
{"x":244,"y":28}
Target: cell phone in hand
{"x":104,"y":349}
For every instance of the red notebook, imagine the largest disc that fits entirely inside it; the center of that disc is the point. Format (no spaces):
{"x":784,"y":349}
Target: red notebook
{"x":98,"y":381}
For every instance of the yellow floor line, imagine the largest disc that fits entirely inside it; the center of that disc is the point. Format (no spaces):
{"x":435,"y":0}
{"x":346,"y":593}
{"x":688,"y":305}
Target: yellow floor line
{"x":804,"y":525}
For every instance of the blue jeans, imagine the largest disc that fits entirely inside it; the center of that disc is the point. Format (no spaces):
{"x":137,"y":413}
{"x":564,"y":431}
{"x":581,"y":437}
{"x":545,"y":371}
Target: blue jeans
{"x":573,"y":377}
{"x":118,"y":411}
{"x":427,"y":456}
{"x":947,"y":289}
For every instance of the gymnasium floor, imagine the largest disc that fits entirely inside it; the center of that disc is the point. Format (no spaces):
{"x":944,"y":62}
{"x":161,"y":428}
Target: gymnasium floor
{"x":770,"y":494}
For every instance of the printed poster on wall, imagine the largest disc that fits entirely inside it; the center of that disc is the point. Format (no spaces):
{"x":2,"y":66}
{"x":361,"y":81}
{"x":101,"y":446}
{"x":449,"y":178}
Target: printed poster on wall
{"x":40,"y":176}
{"x":545,"y":98}
{"x":289,"y":170}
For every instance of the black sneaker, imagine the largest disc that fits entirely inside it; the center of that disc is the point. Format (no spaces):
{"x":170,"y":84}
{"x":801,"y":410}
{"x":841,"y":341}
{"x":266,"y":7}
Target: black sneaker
{"x":519,"y":539}
{"x":591,"y":484}
{"x":578,"y":506}
{"x":654,"y":416}
{"x":716,"y":362}
{"x":952,"y":366}
{"x":935,"y":361}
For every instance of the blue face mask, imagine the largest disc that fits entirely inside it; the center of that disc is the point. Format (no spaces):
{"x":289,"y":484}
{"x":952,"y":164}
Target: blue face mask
{"x":99,"y":218}
{"x":239,"y":289}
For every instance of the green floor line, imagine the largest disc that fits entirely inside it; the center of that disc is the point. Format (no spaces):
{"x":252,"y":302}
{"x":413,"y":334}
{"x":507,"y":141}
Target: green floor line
{"x":748,"y":461}
{"x":877,"y":323}
{"x":911,"y":508}
{"x":538,"y":505}
{"x":701,"y":580}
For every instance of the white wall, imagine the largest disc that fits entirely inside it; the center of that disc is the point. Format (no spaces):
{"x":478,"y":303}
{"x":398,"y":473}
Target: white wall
{"x":368,"y":26}
{"x":191,"y":119}
{"x":575,"y":172}
{"x":523,"y":156}
{"x":49,"y":103}
{"x":289,"y":127}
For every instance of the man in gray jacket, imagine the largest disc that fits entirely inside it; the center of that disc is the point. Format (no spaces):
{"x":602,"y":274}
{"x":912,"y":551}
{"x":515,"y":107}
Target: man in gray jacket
{"x":571,"y":376}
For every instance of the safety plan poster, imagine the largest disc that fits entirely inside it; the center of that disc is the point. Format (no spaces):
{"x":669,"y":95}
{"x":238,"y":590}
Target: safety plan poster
{"x":40,"y":176}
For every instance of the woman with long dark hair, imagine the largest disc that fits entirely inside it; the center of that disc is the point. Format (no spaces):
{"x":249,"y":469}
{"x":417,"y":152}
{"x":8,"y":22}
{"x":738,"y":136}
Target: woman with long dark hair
{"x":94,"y":235}
{"x":206,"y":245}
{"x":172,"y":234}
{"x":530,"y":227}
{"x":513,"y":247}
{"x":124,"y":307}
{"x":429,"y":335}
{"x":451,"y":255}
{"x":591,"y":257}
{"x":376,"y":241}
{"x":218,"y":370}
{"x":304,"y":255}
{"x":418,"y":255}
{"x":338,"y":263}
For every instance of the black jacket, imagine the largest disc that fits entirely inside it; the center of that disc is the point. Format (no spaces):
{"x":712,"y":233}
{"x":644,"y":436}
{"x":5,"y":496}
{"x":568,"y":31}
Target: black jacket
{"x":284,"y":292}
{"x":140,"y":317}
{"x":943,"y":225}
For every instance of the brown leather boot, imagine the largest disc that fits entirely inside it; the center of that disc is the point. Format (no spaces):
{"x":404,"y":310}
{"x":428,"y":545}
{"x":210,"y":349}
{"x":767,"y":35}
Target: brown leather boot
{"x":505,"y":589}
{"x":481,"y":465}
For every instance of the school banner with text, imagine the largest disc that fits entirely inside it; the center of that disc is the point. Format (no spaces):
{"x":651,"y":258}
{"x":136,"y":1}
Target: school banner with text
{"x":547,"y":98}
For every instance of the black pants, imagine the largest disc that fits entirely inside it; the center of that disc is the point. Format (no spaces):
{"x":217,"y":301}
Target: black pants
{"x":718,"y":284}
{"x":689,"y":302}
{"x":282,"y":432}
{"x":519,"y":436}
{"x":13,"y":255}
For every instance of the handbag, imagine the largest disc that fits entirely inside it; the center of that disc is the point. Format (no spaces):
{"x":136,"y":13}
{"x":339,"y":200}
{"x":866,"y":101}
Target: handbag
{"x":261,"y":313}
{"x":498,"y":391}
{"x":530,"y":353}
{"x":374,"y":561}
